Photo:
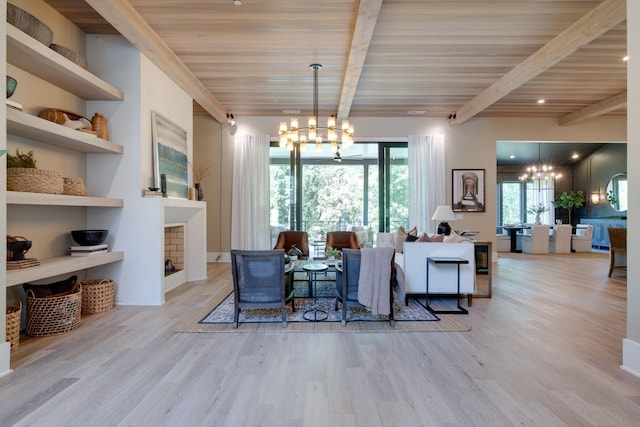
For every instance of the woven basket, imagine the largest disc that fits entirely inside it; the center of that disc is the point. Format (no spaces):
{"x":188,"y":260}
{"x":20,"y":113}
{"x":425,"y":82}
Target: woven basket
{"x":34,"y":180}
{"x":13,"y":325}
{"x":53,"y":315}
{"x":97,"y":295}
{"x":74,"y":187}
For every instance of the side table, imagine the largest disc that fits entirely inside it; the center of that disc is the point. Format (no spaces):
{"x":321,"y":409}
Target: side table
{"x":446,"y":260}
{"x":313,"y":270}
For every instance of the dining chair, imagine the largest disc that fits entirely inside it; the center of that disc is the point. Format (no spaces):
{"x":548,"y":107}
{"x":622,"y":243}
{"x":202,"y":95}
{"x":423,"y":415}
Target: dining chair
{"x":560,"y":239}
{"x":288,"y":238}
{"x":260,"y":280}
{"x":538,"y":241}
{"x":581,"y":241}
{"x":617,"y":249}
{"x":348,"y":279}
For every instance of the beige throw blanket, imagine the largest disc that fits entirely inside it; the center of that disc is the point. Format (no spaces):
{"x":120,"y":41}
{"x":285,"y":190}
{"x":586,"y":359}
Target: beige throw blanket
{"x":375,"y":274}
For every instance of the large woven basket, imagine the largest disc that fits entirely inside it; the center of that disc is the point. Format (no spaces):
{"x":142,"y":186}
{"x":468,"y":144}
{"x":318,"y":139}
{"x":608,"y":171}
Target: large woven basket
{"x":53,"y":315}
{"x":13,"y":325}
{"x":97,"y":296}
{"x":34,"y":180}
{"x":74,"y":187}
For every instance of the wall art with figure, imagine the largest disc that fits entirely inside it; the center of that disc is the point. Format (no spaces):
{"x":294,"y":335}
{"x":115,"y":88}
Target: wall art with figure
{"x":468,"y":190}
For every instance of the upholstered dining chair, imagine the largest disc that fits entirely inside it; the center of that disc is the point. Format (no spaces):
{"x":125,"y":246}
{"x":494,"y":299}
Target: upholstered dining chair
{"x":560,"y":239}
{"x":260,"y":280}
{"x":291,"y":237}
{"x":581,"y":241}
{"x":342,"y":240}
{"x":617,"y":249}
{"x":348,"y":278}
{"x":538,"y":241}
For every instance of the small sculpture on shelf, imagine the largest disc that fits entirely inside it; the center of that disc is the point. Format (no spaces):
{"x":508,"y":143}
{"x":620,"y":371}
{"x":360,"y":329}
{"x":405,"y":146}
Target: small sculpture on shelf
{"x":294,"y":253}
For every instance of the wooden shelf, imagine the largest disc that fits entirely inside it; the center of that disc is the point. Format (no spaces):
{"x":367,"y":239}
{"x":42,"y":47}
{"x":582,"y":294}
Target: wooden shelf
{"x":24,"y":198}
{"x":27,"y":53}
{"x":60,"y":265}
{"x":45,"y":131}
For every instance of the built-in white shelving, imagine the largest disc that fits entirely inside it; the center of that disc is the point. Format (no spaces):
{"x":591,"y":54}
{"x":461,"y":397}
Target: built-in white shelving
{"x":36,"y":128}
{"x":27,"y":53}
{"x":60,"y":265}
{"x":39,"y":199}
{"x":39,"y":60}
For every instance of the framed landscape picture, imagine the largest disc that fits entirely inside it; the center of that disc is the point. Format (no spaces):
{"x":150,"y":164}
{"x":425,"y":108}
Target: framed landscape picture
{"x":468,"y":190}
{"x":170,"y":155}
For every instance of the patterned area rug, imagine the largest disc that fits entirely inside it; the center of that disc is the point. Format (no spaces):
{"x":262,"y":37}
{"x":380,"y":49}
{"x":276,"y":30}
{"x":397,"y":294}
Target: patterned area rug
{"x":223,"y":313}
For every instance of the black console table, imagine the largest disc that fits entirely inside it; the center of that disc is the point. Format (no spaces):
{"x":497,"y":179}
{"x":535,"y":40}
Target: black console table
{"x":447,"y":260}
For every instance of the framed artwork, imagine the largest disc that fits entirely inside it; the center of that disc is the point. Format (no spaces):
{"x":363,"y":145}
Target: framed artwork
{"x":170,"y":155}
{"x":468,"y":190}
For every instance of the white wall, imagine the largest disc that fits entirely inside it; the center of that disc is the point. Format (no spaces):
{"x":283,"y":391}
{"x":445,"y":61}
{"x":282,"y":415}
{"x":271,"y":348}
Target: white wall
{"x":136,"y":229}
{"x":631,"y":345}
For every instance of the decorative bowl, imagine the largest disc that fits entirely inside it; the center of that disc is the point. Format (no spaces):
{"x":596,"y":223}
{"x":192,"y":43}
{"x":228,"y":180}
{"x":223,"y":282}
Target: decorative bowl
{"x":29,"y":24}
{"x":18,"y":248}
{"x":89,"y":237}
{"x":11,"y":86}
{"x":71,"y":55}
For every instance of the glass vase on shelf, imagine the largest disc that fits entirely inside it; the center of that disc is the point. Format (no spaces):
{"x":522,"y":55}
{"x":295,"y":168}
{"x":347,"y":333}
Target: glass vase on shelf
{"x":199,"y":191}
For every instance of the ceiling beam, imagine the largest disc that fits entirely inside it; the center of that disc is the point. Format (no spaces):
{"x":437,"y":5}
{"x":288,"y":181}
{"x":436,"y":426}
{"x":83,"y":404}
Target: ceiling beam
{"x":605,"y":106}
{"x":366,"y":20}
{"x":124,"y":18}
{"x":603,"y":18}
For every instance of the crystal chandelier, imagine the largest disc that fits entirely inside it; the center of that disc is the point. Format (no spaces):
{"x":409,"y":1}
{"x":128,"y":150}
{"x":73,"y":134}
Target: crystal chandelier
{"x":312,"y":133}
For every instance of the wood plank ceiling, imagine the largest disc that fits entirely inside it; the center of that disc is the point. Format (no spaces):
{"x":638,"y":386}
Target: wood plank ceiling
{"x":390,"y":58}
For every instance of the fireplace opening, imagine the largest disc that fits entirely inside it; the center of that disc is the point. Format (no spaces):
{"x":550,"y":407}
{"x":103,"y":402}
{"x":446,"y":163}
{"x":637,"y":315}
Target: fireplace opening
{"x":173,"y":249}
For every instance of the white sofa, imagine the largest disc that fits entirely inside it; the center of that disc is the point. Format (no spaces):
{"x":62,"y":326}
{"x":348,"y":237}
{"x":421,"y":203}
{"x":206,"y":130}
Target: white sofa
{"x":443,"y":279}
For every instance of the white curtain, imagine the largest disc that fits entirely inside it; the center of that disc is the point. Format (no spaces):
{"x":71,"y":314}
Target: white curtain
{"x":426,"y":180}
{"x":250,"y":193}
{"x":540,"y":191}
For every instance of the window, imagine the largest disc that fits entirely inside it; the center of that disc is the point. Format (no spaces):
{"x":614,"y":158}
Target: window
{"x":319,"y":192}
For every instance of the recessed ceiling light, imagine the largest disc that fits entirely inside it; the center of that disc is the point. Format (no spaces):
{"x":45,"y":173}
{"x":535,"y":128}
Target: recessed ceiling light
{"x":540,"y":101}
{"x":625,"y":58}
{"x":416,"y":112}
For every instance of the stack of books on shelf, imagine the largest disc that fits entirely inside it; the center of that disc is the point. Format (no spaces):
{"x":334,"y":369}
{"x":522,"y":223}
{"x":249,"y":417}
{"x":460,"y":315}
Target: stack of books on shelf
{"x":89,"y":250}
{"x":24,"y":263}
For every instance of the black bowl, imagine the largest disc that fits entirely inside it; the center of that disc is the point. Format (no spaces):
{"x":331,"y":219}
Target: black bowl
{"x":18,"y":249}
{"x":89,"y":237}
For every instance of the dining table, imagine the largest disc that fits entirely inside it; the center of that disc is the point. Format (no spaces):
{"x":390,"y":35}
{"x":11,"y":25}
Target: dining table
{"x":513,"y":230}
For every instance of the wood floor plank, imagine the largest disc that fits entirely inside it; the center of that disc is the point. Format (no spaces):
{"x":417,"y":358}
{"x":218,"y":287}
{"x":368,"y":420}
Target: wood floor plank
{"x":544,"y":350}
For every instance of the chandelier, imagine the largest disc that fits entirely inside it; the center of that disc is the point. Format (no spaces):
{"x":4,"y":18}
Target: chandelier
{"x":539,"y":171}
{"x":312,"y":132}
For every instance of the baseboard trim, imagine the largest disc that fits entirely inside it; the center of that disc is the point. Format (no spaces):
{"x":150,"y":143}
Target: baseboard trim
{"x":631,"y":357}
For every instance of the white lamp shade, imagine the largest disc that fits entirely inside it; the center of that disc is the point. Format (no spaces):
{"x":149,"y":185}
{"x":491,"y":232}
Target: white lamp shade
{"x":443,"y":213}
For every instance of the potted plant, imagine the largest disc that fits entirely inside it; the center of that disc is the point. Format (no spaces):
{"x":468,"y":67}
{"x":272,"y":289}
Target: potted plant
{"x":568,"y":201}
{"x":537,"y":210}
{"x":331,"y":253}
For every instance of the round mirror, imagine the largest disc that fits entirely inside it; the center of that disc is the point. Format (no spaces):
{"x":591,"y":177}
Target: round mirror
{"x":617,"y":192}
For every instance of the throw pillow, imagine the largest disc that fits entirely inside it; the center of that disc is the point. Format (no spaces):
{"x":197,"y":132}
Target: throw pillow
{"x":401,"y":236}
{"x":411,"y":238}
{"x":437,"y":238}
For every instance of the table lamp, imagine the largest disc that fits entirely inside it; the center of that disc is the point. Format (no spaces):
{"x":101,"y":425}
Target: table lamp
{"x":443,"y":214}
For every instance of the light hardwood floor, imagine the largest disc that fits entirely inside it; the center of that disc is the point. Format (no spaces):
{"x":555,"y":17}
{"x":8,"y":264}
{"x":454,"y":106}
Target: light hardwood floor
{"x":544,"y":351}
